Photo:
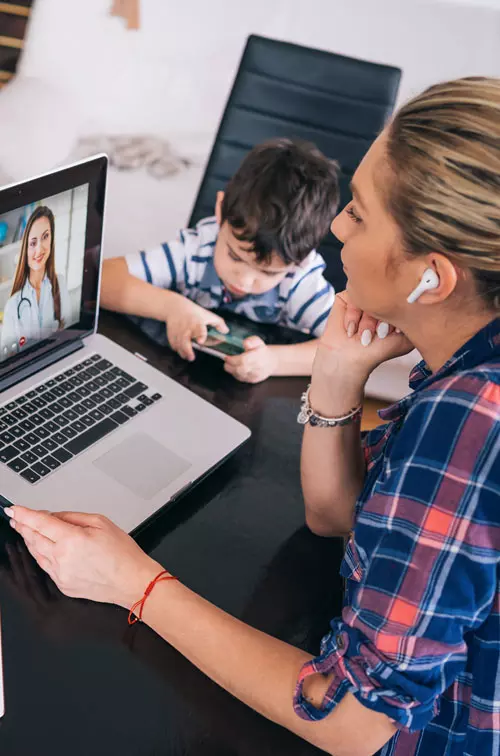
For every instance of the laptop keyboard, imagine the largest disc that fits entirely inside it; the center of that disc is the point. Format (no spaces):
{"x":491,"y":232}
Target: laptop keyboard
{"x":47,"y":426}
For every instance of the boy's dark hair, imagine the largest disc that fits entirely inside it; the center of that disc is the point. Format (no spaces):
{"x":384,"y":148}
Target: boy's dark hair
{"x":282,"y":198}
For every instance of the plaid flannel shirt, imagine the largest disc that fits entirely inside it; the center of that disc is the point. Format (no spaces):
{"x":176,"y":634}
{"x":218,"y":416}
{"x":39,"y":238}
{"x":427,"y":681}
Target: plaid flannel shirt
{"x":419,"y":636}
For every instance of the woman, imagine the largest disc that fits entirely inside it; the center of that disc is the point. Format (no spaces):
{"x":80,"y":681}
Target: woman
{"x":39,"y":302}
{"x":412,"y":666}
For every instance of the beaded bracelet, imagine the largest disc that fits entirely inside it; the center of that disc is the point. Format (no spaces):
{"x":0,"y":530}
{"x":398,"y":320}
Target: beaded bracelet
{"x":307,"y":415}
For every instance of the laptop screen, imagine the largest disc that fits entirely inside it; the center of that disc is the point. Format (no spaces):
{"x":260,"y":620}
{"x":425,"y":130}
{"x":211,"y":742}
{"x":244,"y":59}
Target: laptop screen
{"x":50,"y":249}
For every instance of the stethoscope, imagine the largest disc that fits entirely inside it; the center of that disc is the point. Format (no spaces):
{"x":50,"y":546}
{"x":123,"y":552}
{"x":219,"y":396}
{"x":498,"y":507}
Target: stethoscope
{"x":23,"y":299}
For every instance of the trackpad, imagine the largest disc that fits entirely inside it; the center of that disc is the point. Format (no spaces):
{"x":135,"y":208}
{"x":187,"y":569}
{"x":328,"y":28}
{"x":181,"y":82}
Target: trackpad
{"x":142,"y":464}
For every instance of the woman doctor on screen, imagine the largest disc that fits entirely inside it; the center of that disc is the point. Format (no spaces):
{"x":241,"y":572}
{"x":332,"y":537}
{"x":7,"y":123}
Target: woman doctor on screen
{"x":39,"y":302}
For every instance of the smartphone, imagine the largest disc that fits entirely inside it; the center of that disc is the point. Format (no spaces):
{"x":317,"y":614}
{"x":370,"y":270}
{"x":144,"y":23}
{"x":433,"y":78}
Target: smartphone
{"x":225,"y":344}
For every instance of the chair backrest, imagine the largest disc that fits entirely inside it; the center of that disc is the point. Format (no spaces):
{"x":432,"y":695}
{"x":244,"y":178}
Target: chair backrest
{"x":286,"y":90}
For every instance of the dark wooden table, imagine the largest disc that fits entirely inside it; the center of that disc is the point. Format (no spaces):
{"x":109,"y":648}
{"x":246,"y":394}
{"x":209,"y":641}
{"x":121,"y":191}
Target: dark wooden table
{"x":79,"y":681}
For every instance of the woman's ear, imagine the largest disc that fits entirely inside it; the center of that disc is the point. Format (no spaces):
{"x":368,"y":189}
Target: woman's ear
{"x":218,"y":207}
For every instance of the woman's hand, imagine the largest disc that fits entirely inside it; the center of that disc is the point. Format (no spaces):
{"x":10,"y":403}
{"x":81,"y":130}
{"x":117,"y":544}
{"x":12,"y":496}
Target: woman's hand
{"x":351,"y":347}
{"x":87,"y":556}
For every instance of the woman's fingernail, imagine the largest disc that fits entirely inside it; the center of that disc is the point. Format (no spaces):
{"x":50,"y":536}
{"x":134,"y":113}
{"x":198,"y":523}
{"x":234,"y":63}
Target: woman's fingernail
{"x":9,"y":512}
{"x":350,"y":329}
{"x":398,"y":330}
{"x":12,"y":523}
{"x":382,"y":330}
{"x":366,"y":337}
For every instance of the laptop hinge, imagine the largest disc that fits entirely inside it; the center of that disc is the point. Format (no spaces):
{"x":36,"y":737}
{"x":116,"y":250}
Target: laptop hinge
{"x":41,"y":363}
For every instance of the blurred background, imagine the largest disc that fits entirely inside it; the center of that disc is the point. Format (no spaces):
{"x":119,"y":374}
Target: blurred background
{"x":88,"y":76}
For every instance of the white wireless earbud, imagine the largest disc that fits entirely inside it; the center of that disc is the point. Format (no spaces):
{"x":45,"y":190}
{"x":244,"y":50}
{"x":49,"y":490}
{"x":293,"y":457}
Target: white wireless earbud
{"x":428,"y":281}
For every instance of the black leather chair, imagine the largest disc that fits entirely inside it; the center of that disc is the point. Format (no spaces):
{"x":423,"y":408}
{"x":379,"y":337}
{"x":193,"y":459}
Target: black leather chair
{"x":286,"y":90}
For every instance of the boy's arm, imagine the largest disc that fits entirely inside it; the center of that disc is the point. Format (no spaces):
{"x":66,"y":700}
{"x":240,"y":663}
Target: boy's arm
{"x":123,"y":292}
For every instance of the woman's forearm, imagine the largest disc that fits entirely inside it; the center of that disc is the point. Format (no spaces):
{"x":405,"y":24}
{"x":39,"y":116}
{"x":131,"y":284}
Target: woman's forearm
{"x":259,"y":670}
{"x":332,"y":462}
{"x":122,"y":292}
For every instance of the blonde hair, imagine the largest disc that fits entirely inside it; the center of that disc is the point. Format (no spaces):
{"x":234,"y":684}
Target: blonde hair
{"x":444,"y":151}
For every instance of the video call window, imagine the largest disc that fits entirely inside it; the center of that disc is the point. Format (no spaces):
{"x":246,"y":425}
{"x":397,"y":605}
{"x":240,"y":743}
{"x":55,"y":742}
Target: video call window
{"x":42,"y":249}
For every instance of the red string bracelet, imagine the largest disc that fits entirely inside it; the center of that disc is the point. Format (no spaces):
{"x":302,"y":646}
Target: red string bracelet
{"x":136,"y":616}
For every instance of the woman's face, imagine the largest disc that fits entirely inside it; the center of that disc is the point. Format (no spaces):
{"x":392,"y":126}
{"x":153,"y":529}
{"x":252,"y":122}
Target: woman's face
{"x":379,"y":276}
{"x":39,"y":244}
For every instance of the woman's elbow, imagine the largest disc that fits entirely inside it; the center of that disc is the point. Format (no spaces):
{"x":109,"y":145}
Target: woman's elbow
{"x":326,"y":527}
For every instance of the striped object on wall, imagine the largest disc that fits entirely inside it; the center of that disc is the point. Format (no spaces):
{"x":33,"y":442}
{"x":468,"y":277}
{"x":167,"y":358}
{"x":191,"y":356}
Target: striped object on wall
{"x":13,"y":21}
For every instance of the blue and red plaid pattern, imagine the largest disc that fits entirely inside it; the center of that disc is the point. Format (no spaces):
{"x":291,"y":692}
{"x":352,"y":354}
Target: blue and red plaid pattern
{"x":419,"y":636}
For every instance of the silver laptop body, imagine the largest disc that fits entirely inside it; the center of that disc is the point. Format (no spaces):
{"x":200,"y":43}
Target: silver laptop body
{"x":114,"y":435}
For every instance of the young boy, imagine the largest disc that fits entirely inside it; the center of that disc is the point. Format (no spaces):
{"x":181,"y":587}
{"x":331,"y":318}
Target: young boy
{"x":255,"y":257}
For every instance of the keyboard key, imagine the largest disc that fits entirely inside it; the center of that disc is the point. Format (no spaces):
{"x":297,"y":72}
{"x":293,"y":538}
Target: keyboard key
{"x":31,"y":439}
{"x":39,"y":450}
{"x":41,"y":432}
{"x":122,"y":374}
{"x":87,"y":362}
{"x":51,"y":462}
{"x":59,"y":439}
{"x":30,"y":407}
{"x":3,"y":411}
{"x":79,"y":367}
{"x":90,"y":437}
{"x":50,"y":396}
{"x":86,"y":375}
{"x":17,"y":465}
{"x":122,"y":398}
{"x":145,"y":400}
{"x":140,"y":407}
{"x":80,"y":410}
{"x":83,"y":391}
{"x":39,"y":402}
{"x":135,"y":390}
{"x":37,"y":419}
{"x":31,"y":394}
{"x":105,"y":393}
{"x":3,"y":426}
{"x":51,"y":426}
{"x":119,"y":417}
{"x":59,"y":378}
{"x":29,"y":458}
{"x":87,"y":421}
{"x":62,"y":455}
{"x":65,"y":402}
{"x":69,"y":432}
{"x":19,"y":413}
{"x":61,"y":421}
{"x":22,"y":445}
{"x":100,"y":381}
{"x":69,"y":373}
{"x":51,"y":383}
{"x":7,"y":437}
{"x":103,"y":365}
{"x":49,"y":444}
{"x":58,"y":406}
{"x":40,"y":469}
{"x":89,"y":403}
{"x":30,"y":476}
{"x":76,"y":381}
{"x":96,"y":414}
{"x":78,"y":426}
{"x":58,"y":391}
{"x":21,"y":400}
{"x":8,"y":453}
{"x":95,"y":358}
{"x":105,"y":409}
{"x":113,"y":403}
{"x":129,"y":411}
{"x":73,"y":397}
{"x":10,"y":406}
{"x":17,"y":431}
{"x":27,"y":425}
{"x":9,"y":420}
{"x":70,"y":415}
{"x":92,"y":385}
{"x":46,"y":413}
{"x":41,"y":389}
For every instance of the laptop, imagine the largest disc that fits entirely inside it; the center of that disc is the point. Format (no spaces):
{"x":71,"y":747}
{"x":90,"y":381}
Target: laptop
{"x":84,"y":424}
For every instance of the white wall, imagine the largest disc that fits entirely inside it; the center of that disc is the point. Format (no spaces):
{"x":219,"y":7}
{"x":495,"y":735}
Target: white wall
{"x":173,"y":75}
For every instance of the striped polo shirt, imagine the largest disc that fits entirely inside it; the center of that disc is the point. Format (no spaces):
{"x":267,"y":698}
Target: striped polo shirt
{"x":302,"y":300}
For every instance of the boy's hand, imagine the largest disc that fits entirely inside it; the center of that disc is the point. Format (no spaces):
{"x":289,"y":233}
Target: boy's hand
{"x":187,"y":321}
{"x":256,"y":364}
